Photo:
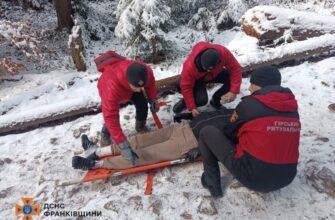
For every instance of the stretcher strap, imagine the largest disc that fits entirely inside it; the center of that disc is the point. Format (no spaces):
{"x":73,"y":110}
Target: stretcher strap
{"x":150,"y":179}
{"x":157,"y":121}
{"x":150,"y":175}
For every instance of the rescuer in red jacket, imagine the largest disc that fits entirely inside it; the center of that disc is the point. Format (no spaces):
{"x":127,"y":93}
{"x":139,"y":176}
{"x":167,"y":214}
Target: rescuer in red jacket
{"x":208,"y":63}
{"x":122,"y":81}
{"x":260,"y":144}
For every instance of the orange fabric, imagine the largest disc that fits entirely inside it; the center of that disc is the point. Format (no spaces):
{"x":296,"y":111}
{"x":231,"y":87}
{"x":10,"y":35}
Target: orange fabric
{"x":98,"y":174}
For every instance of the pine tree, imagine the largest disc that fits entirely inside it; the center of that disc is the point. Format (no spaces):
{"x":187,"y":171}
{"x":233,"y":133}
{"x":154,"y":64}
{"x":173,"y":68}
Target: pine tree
{"x":139,"y":27}
{"x":232,"y":13}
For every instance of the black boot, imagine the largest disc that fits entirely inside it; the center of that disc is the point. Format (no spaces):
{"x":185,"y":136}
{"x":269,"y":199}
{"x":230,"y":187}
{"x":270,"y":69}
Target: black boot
{"x":86,"y":143}
{"x":179,"y":106}
{"x":105,"y":139}
{"x":140,"y":126}
{"x":89,"y":148}
{"x":82,"y":163}
{"x":215,"y":191}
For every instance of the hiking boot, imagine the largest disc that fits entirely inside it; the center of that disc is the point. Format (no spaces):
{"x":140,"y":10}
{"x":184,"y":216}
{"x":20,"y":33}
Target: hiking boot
{"x":105,"y":139}
{"x":179,"y":106}
{"x":86,"y":143}
{"x":215,"y":105}
{"x":88,"y":146}
{"x":216,"y":192}
{"x":140,"y":126}
{"x":82,"y":163}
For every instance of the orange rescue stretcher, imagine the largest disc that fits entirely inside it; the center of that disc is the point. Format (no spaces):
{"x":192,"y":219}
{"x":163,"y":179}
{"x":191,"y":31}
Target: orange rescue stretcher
{"x":98,"y":174}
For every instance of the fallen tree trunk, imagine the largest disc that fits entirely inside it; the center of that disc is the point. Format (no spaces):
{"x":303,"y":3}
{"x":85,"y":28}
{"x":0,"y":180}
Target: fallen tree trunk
{"x":271,"y":23}
{"x":276,"y":56}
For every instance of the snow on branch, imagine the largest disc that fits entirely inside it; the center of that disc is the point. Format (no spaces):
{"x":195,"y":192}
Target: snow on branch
{"x":7,"y":65}
{"x":203,"y":20}
{"x":21,"y":36}
{"x":139,"y":27}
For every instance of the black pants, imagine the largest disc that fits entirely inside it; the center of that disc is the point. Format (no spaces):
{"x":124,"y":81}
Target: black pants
{"x":214,"y":147}
{"x":200,"y":91}
{"x":251,"y":172}
{"x":141,"y":105}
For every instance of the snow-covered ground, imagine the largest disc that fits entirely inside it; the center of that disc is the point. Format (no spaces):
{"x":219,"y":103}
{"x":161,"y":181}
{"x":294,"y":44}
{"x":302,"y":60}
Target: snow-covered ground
{"x":32,"y":162}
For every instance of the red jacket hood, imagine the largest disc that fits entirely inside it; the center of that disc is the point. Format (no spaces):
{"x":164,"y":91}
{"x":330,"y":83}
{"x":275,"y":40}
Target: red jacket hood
{"x":283,"y":102}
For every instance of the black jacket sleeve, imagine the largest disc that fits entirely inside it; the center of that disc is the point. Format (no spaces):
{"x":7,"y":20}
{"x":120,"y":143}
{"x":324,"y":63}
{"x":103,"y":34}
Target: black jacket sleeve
{"x":246,"y":110}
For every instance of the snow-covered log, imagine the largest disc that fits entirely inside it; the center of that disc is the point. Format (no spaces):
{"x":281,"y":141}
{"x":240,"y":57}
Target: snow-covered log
{"x":300,"y":50}
{"x":271,"y":23}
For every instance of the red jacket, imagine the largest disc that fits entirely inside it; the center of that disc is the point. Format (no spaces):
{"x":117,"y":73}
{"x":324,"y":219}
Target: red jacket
{"x":268,"y":126}
{"x":190,"y":73}
{"x":115,"y":90}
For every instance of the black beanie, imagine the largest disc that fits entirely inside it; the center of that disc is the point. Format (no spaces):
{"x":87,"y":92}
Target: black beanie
{"x":265,"y":76}
{"x":209,"y":58}
{"x":137,"y":74}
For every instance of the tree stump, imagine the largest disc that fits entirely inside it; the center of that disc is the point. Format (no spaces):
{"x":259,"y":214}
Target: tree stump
{"x":76,"y":47}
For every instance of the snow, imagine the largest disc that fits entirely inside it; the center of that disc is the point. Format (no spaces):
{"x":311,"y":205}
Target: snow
{"x":63,"y":92}
{"x":326,"y":40}
{"x":32,"y":162}
{"x":43,"y":156}
{"x":240,"y":44}
{"x":300,"y":19}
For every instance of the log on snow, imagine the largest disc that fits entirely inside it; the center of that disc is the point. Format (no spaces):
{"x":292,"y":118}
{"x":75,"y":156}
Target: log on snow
{"x":248,"y":63}
{"x":271,"y":23}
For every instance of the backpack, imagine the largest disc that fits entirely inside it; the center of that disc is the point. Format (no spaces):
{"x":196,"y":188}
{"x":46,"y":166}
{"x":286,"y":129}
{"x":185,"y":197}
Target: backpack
{"x":108,"y":58}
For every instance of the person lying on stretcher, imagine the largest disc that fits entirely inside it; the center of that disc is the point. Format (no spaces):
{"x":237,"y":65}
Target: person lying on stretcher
{"x":169,"y":143}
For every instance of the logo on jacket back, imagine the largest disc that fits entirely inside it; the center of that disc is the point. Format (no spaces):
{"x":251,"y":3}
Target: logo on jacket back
{"x":233,"y":117}
{"x":284,"y":126}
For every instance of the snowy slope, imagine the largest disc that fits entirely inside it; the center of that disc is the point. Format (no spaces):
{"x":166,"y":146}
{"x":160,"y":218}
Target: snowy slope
{"x":31,"y":163}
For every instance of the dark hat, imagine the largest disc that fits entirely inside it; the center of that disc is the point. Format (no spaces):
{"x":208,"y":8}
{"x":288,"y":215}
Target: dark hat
{"x":209,"y":59}
{"x":265,"y":76}
{"x":137,"y":74}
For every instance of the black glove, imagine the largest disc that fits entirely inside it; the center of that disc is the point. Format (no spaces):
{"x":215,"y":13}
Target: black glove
{"x":153,"y":105}
{"x":193,"y":154}
{"x":127,"y":152}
